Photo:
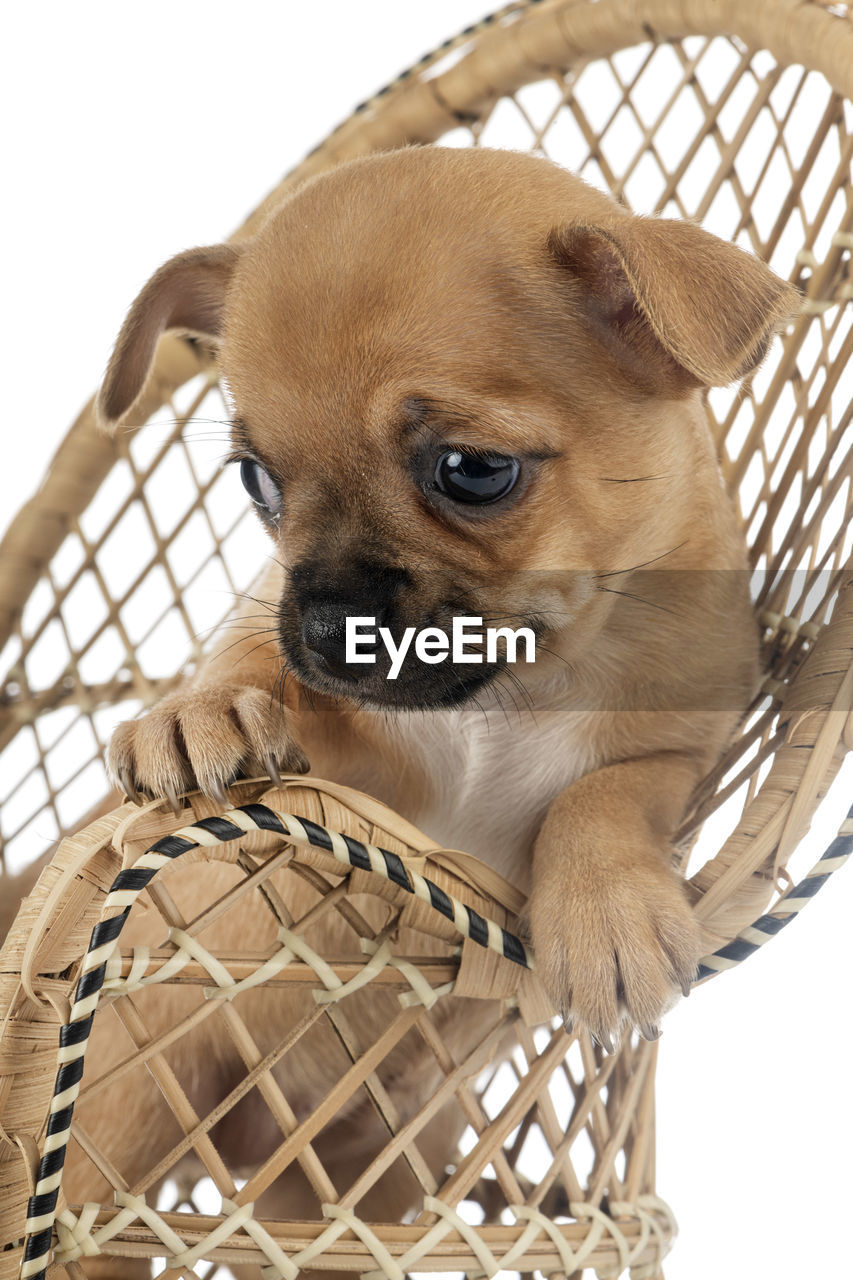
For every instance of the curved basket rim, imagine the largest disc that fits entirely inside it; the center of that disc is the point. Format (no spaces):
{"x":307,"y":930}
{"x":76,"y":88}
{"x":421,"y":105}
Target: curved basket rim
{"x":118,"y":825}
{"x":71,"y":897}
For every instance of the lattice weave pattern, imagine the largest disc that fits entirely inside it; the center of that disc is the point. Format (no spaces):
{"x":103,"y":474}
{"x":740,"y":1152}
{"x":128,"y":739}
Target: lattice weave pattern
{"x":100,"y":972}
{"x":527,"y":1110}
{"x":704,"y":110}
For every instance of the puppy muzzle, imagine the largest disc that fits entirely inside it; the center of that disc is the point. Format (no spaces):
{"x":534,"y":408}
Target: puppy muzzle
{"x":314,"y":612}
{"x":324,"y":635}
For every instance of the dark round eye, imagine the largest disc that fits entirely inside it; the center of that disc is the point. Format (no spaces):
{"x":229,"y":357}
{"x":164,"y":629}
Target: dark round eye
{"x":474,"y":477}
{"x":260,"y":486}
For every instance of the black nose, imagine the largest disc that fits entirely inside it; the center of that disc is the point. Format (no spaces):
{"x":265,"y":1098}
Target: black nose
{"x":325,"y":595}
{"x":324,"y":633}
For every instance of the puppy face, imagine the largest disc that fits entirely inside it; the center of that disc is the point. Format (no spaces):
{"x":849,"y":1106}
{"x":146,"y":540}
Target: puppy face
{"x":449,"y":370}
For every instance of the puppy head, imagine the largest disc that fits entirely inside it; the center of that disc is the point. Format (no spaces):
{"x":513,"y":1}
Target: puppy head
{"x":443,"y":364}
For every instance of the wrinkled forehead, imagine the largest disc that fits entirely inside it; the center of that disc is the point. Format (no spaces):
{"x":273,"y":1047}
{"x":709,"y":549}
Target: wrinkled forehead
{"x":357,"y":279}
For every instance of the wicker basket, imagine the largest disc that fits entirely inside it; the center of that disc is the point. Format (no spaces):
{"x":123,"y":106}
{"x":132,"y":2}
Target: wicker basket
{"x":555,"y":1169}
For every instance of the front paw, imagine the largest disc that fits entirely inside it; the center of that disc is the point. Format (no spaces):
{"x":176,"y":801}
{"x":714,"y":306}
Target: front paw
{"x":203,"y":737}
{"x":614,"y":947}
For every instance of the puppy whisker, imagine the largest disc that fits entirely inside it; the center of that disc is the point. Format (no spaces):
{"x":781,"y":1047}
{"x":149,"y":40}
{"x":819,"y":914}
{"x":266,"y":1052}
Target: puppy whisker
{"x":513,"y":683}
{"x":269,"y":605}
{"x":242,"y":640}
{"x":499,"y":688}
{"x":499,"y":700}
{"x":194,"y":420}
{"x":264,"y":644}
{"x":523,"y":690}
{"x":629,"y":595}
{"x":243,"y":618}
{"x":632,"y":479}
{"x":612,"y":573}
{"x":279,"y":687}
{"x":230,"y":625}
{"x":553,"y":653}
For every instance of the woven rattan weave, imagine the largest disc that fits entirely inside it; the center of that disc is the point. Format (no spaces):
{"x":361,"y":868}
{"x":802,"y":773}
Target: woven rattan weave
{"x":688,"y":107}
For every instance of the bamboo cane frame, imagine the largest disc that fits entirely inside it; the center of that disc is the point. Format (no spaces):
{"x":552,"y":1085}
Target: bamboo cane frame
{"x":805,"y":723}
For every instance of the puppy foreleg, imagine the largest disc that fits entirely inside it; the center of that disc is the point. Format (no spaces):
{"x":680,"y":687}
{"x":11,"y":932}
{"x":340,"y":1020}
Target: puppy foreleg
{"x":612,"y":928}
{"x":229,"y":720}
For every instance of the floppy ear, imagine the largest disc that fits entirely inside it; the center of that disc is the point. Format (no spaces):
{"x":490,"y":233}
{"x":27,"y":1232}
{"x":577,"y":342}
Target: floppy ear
{"x":676,"y":304}
{"x":187,"y":293}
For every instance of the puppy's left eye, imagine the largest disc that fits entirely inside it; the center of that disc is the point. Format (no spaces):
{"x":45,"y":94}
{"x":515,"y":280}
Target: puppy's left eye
{"x":474,"y":477}
{"x":260,"y":486}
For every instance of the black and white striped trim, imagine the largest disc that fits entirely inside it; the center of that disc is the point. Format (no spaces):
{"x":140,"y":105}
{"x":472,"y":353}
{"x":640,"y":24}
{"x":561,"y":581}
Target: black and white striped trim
{"x":754,"y":936}
{"x":128,"y":884}
{"x":73,"y":1037}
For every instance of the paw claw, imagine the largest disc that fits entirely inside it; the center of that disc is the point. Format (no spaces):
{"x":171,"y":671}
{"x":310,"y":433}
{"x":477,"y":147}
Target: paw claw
{"x":129,"y":787}
{"x":620,"y":947}
{"x":172,"y":799}
{"x":217,"y":792}
{"x":604,"y":1040}
{"x":200,"y":737}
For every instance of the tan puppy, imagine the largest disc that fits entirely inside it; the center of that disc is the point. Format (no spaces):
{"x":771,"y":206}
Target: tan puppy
{"x":464,"y":384}
{"x":405,"y":335}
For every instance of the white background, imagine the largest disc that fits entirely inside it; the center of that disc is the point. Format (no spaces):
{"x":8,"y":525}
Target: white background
{"x":134,"y":131}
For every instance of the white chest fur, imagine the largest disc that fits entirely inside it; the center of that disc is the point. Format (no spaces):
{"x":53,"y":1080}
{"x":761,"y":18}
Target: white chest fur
{"x":490,"y":779}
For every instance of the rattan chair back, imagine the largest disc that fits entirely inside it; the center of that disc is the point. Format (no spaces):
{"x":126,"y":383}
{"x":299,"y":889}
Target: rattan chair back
{"x":133,"y":549}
